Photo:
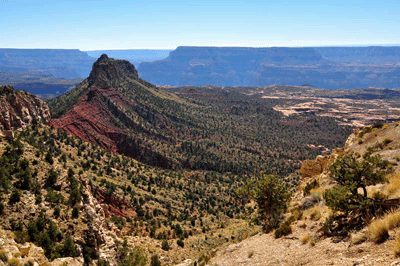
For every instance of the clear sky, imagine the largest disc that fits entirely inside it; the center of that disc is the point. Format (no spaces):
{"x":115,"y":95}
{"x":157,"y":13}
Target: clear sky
{"x":157,"y":24}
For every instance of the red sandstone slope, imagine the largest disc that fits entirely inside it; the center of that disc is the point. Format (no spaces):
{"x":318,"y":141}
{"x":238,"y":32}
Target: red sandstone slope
{"x":91,"y":119}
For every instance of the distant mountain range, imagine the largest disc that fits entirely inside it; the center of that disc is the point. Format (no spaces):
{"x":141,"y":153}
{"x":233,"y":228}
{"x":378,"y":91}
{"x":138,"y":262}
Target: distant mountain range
{"x":60,"y":63}
{"x":54,"y":71}
{"x":324,"y":67}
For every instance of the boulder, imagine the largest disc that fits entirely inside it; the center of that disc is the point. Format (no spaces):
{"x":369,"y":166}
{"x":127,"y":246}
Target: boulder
{"x":24,"y":249}
{"x":37,"y":254}
{"x":68,"y":261}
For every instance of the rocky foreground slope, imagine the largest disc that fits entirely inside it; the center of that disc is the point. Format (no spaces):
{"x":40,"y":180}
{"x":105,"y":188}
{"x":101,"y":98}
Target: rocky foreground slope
{"x":308,"y":244}
{"x":18,"y":109}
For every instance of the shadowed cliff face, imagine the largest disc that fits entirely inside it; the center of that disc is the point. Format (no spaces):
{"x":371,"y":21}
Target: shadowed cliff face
{"x":324,"y":67}
{"x":19,"y":109}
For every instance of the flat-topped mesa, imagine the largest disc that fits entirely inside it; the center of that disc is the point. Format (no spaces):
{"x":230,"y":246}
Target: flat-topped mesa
{"x":268,"y":54}
{"x":106,"y":71}
{"x":19,"y":109}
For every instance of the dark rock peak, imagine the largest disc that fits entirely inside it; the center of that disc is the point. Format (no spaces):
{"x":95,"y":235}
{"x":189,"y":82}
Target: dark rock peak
{"x":107,"y":70}
{"x":102,"y":58}
{"x":7,"y":89}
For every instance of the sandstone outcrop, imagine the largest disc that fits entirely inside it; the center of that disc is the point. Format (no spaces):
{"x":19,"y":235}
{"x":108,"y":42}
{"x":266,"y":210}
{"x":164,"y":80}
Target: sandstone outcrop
{"x":19,"y":109}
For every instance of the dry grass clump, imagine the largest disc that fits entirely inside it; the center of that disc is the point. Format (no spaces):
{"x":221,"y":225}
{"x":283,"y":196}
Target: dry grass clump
{"x":358,"y":238}
{"x":315,"y":215}
{"x":396,"y":247}
{"x":14,"y":262}
{"x":251,"y":253}
{"x":393,"y":219}
{"x":317,"y":212}
{"x":378,"y":231}
{"x":393,"y":188}
{"x":312,"y":240}
{"x":304,"y":239}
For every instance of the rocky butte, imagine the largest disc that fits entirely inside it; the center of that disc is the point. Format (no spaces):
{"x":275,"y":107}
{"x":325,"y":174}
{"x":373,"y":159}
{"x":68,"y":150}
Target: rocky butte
{"x":115,"y":109}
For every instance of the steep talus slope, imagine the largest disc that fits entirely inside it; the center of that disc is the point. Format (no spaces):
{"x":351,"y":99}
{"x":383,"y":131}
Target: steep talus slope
{"x":20,"y":108}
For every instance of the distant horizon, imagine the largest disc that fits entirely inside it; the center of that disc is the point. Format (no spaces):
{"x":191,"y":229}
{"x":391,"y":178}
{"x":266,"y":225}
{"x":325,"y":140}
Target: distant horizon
{"x":231,"y":46}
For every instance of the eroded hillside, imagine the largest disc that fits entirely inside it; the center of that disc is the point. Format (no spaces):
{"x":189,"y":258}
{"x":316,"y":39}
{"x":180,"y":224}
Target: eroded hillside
{"x":229,"y":132}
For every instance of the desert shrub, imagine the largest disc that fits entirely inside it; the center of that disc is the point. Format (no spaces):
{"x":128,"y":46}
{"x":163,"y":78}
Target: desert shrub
{"x":38,"y":199}
{"x":180,"y":243}
{"x":341,"y":199}
{"x":75,"y":212}
{"x":49,"y":158}
{"x":272,"y":198}
{"x":128,"y":257}
{"x":57,"y":211}
{"x":29,"y":263}
{"x":44,"y":241}
{"x":2,"y":206}
{"x":351,"y":174}
{"x":5,"y":182}
{"x":379,"y":196}
{"x":377,"y":124}
{"x":283,"y":230}
{"x":309,"y":186}
{"x":15,"y":196}
{"x":75,"y":196}
{"x":165,"y":245}
{"x":51,"y":178}
{"x":54,"y":197}
{"x":154,"y":261}
{"x":3,"y":256}
{"x":386,"y":141}
{"x":21,"y":237}
{"x":69,"y":248}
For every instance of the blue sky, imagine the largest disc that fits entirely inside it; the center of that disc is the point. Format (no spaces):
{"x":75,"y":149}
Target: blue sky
{"x":155,"y":24}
